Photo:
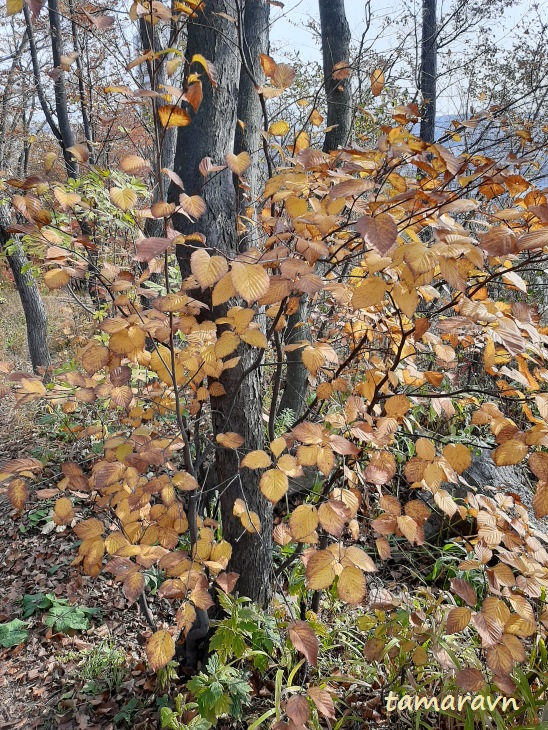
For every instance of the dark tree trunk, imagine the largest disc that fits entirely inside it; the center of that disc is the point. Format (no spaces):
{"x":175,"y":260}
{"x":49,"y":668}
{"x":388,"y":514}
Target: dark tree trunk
{"x":296,"y":374}
{"x":336,"y":38}
{"x":33,"y":306}
{"x":61,"y":106}
{"x":212,"y":133}
{"x":81,"y":88}
{"x":336,"y":49}
{"x":428,"y":70}
{"x":254,"y":40}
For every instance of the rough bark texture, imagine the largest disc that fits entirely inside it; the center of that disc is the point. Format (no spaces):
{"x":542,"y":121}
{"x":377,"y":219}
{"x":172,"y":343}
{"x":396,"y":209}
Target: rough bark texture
{"x":296,"y":374}
{"x":7,"y":94}
{"x":336,"y":48}
{"x":428,"y":70}
{"x":33,"y":306}
{"x":81,"y":88}
{"x":151,"y":39}
{"x":61,"y":106}
{"x":254,"y":40}
{"x":212,"y":133}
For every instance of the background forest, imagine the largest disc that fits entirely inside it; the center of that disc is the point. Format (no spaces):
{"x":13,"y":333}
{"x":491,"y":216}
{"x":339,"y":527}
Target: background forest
{"x":273,"y":382}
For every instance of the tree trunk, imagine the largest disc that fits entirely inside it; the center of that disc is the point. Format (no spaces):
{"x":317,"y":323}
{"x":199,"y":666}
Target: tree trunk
{"x":336,"y":38}
{"x":33,"y":306}
{"x":336,"y":49}
{"x":428,"y":70}
{"x":254,"y":40}
{"x":81,"y":88}
{"x":61,"y":106}
{"x":212,"y":133}
{"x":296,"y":374}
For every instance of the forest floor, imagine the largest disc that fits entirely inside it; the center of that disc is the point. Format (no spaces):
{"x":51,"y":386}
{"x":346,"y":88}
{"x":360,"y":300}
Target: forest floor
{"x":47,"y":681}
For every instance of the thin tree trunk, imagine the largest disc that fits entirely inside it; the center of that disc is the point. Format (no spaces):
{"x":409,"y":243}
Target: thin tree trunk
{"x":336,"y":38}
{"x":428,"y":70}
{"x":61,"y":106}
{"x":212,"y":134}
{"x":336,"y":50}
{"x":81,"y":88}
{"x":6,"y":96}
{"x":151,"y":40}
{"x":296,"y":374}
{"x":38,"y":81}
{"x":253,"y":40}
{"x":33,"y":306}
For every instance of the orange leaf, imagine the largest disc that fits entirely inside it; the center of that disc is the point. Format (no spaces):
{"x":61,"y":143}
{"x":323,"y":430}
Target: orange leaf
{"x":304,"y":640}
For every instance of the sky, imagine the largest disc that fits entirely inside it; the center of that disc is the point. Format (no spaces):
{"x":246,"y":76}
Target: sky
{"x":289,"y":31}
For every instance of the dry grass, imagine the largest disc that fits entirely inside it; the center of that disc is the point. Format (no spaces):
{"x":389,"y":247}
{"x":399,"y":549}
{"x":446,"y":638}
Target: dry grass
{"x":66,"y":323}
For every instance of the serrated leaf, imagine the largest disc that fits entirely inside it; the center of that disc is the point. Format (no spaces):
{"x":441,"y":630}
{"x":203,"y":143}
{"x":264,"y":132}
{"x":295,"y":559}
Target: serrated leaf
{"x":160,"y":649}
{"x":207,"y":269}
{"x":256,"y":460}
{"x":250,"y":281}
{"x":173,"y":116}
{"x":351,"y":585}
{"x":123,"y":198}
{"x":238,"y":164}
{"x":458,"y":619}
{"x":304,"y":640}
{"x":273,"y":485}
{"x":370,"y":293}
{"x":56,"y":278}
{"x":380,"y":232}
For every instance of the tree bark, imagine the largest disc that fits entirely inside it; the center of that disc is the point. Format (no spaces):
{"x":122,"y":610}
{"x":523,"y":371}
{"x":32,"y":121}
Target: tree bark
{"x":6,"y":96}
{"x":212,"y":133}
{"x":428,"y":70}
{"x":296,"y":374}
{"x":253,"y":40}
{"x":33,"y":306}
{"x":336,"y":49}
{"x":61,"y":106}
{"x":81,"y":88}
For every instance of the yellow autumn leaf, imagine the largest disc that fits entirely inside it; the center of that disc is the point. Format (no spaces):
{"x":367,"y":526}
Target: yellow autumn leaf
{"x":273,"y":485}
{"x":256,"y":460}
{"x":173,"y":116}
{"x":250,"y":281}
{"x":207,"y":269}
{"x":230,"y":440}
{"x":238,"y":164}
{"x":56,"y":278}
{"x":160,"y":649}
{"x":351,"y":585}
{"x":370,"y":293}
{"x":279,"y":129}
{"x":123,"y":198}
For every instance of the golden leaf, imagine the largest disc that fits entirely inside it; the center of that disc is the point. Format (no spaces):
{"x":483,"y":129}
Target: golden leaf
{"x":279,"y":129}
{"x":56,"y":278}
{"x":377,"y":81}
{"x":256,"y":460}
{"x":160,"y":649}
{"x":250,"y":281}
{"x":123,"y":198}
{"x":370,"y":293}
{"x":230,"y":440}
{"x":238,"y":164}
{"x":351,"y":586}
{"x":207,"y":269}
{"x":273,"y":485}
{"x":303,"y":523}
